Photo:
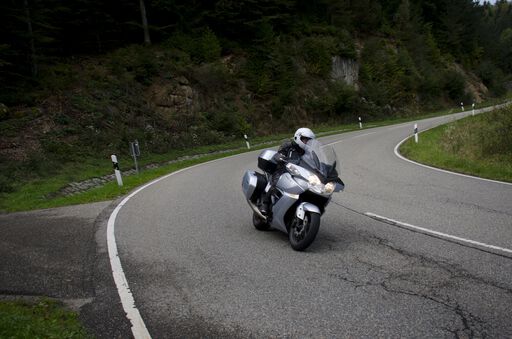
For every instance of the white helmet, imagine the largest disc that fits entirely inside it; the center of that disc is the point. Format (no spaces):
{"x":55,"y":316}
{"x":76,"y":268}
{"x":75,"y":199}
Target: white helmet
{"x":303,"y":133}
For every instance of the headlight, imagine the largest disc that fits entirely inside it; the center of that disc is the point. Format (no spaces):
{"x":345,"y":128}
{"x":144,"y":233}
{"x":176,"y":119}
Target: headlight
{"x":292,"y":169}
{"x":329,"y":187}
{"x":314,"y":180}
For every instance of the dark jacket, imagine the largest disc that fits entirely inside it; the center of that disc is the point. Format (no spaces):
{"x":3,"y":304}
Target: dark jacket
{"x":291,"y":151}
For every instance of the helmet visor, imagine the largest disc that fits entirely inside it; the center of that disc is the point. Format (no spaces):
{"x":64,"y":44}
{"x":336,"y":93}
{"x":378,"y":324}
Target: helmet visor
{"x":304,"y":139}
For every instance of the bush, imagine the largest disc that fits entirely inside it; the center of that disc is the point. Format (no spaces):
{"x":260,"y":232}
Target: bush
{"x":6,"y":183}
{"x":201,"y":48}
{"x":138,"y":61}
{"x":229,"y":121}
{"x":453,"y":84}
{"x":4,"y":112}
{"x":207,"y":47}
{"x":317,"y":52}
{"x":492,"y":77}
{"x":212,"y":78}
{"x":430,"y":87}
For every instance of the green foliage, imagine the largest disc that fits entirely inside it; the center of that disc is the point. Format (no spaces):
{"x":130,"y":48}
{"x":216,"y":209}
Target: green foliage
{"x":389,"y":76}
{"x":492,"y":77}
{"x":56,"y":77}
{"x":207,"y":47}
{"x":493,"y":133}
{"x":318,"y":52}
{"x":337,"y":102}
{"x":44,"y":319}
{"x":4,"y":112}
{"x":453,"y":83}
{"x":213,"y":78}
{"x":136,"y":61}
{"x":479,"y":145}
{"x":484,"y":136}
{"x":204,"y":47}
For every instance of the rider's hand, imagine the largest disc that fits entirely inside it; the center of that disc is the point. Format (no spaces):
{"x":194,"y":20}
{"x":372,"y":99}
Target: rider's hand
{"x":280,"y":158}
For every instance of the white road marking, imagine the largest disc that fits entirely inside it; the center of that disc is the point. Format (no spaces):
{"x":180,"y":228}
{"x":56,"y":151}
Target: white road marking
{"x":475,"y":244}
{"x":442,"y":170}
{"x":478,"y":111}
{"x":343,"y":140}
{"x":139,"y":329}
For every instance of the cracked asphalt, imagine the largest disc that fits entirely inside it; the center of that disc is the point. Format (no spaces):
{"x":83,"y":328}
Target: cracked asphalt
{"x":61,"y":253}
{"x":198,"y":268}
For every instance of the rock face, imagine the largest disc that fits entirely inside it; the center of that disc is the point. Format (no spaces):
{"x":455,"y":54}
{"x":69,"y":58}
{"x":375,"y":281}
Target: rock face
{"x":172,"y":96}
{"x":346,"y":70}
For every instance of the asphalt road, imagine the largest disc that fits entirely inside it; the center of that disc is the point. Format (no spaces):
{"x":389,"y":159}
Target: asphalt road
{"x":198,"y":268}
{"x":61,"y":253}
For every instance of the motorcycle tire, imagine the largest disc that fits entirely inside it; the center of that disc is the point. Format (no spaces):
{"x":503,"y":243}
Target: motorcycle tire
{"x":259,"y":224}
{"x":303,"y":232}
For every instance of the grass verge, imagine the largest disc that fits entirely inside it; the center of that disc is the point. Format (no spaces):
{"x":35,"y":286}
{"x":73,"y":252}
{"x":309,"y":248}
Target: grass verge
{"x":37,"y":194}
{"x":479,"y":146}
{"x":42,"y":319}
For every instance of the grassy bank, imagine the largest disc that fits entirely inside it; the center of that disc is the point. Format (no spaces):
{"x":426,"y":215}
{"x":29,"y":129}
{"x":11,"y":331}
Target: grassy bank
{"x":479,"y":146}
{"x":39,"y":192}
{"x":42,"y":319}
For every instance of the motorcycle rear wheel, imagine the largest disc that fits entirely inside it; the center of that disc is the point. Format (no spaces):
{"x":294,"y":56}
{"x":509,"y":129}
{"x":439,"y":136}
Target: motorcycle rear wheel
{"x":259,"y":224}
{"x":303,"y":232}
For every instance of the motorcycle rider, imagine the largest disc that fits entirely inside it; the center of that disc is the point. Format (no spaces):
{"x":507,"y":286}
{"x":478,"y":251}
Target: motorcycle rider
{"x":289,"y":151}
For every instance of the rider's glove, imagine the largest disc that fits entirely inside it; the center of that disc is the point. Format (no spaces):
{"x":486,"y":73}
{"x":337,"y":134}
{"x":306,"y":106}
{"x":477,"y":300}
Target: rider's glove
{"x":280,"y":158}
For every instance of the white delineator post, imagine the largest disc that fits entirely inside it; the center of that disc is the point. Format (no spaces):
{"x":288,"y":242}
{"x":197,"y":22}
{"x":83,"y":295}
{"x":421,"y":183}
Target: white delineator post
{"x":360,"y":123}
{"x":247,"y":141}
{"x":473,"y":107}
{"x":116,"y":170}
{"x":416,"y":133}
{"x":462,"y":106}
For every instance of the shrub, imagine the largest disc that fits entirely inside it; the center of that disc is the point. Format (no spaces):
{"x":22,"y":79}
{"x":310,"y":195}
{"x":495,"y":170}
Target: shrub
{"x":317,"y":53}
{"x":453,"y":83}
{"x":204,"y":47}
{"x":4,"y":112}
{"x":492,"y":77}
{"x":212,"y":78}
{"x":207,"y":47}
{"x":138,"y":61}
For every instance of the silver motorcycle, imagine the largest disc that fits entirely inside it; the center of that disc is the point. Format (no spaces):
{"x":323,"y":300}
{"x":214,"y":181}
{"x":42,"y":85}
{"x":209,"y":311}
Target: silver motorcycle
{"x":301,"y":195}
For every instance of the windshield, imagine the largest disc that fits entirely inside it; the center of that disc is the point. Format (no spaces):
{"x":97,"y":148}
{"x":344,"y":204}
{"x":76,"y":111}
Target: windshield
{"x":320,"y":159}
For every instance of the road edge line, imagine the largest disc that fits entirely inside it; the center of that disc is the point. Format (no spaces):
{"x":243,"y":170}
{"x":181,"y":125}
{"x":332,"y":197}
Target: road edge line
{"x":501,"y":251}
{"x":440,"y":169}
{"x":139,"y":329}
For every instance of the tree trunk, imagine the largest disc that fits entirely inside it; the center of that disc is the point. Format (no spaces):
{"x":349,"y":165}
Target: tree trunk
{"x":147,"y":40}
{"x":33,"y":63}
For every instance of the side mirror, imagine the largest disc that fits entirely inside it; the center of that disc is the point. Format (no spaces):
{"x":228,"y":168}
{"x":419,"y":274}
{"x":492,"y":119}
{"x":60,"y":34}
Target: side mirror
{"x":340,"y":185}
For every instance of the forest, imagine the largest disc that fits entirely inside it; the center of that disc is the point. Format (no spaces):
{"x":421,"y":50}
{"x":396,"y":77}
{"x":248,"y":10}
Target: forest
{"x":87,"y":76}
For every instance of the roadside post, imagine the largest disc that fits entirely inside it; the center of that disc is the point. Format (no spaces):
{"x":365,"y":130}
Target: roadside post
{"x":360,"y":123}
{"x":135,"y":152}
{"x":117,"y":172}
{"x":416,"y":133}
{"x":473,"y":107}
{"x":247,"y":141}
{"x":462,"y":106}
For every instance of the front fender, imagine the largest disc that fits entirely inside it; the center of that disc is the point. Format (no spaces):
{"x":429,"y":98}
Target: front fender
{"x":306,"y":207}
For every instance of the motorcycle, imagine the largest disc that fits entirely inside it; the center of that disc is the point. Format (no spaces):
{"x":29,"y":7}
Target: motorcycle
{"x":300,"y":196}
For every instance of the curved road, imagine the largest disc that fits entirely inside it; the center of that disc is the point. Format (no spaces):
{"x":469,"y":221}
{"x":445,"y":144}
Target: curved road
{"x":197,"y":267}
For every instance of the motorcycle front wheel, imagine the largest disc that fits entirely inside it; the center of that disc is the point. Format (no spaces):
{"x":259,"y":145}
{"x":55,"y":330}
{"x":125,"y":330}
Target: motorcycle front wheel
{"x":303,"y":232}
